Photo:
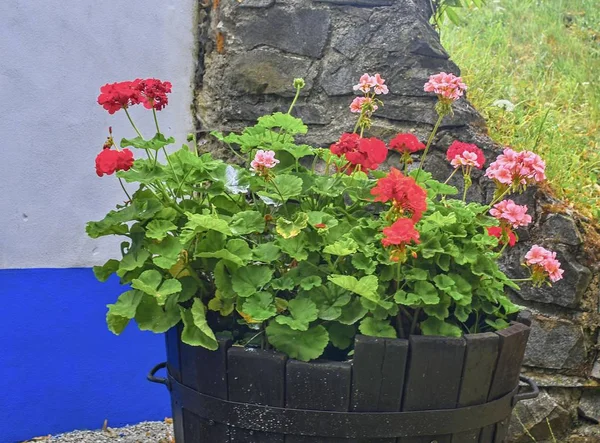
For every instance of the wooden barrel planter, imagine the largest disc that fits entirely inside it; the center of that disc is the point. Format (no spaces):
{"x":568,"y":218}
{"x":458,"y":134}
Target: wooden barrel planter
{"x":420,"y":390}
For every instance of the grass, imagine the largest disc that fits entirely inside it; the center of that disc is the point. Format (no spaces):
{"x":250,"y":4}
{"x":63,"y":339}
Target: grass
{"x":544,"y":57}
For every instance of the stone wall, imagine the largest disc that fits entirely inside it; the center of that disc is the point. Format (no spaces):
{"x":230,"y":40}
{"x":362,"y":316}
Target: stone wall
{"x":250,"y":52}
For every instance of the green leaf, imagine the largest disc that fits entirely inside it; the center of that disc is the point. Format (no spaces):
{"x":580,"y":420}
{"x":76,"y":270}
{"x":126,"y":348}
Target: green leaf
{"x":266,"y":252}
{"x":126,"y":304}
{"x":249,"y":279}
{"x":152,"y":317}
{"x":155,"y":143}
{"x":223,"y":281}
{"x":376,"y":328}
{"x":434,"y":326}
{"x":284,"y":187}
{"x":223,"y":254}
{"x":103,"y":272}
{"x":294,"y":247}
{"x":291,"y":228}
{"x":453,"y":16}
{"x":259,"y":306}
{"x":116,"y":324}
{"x":200,"y":223}
{"x":308,"y":283}
{"x":330,"y":299}
{"x":497,"y":324}
{"x":301,"y":345}
{"x":196,"y":331}
{"x":444,"y":282}
{"x":240,"y":248}
{"x":149,"y":281}
{"x":132,"y":260}
{"x":168,"y":252}
{"x":462,"y":313}
{"x":352,"y":312}
{"x":299,"y":151}
{"x":365,"y":287}
{"x":341,"y":336}
{"x":321,"y":218}
{"x":286,"y":122}
{"x":158,"y":229}
{"x":407,"y":299}
{"x":425,"y":292}
{"x":416,"y":274}
{"x":439,"y":310}
{"x":283,"y":283}
{"x":328,"y":186}
{"x":342,"y":247}
{"x":247,"y":222}
{"x":302,"y":312}
{"x":361,"y":262}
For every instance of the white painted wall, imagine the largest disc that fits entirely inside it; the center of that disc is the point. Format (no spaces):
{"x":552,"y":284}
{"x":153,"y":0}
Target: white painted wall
{"x":54,"y":56}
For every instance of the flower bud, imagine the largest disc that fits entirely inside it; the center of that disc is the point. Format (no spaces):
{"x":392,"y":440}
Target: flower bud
{"x":190,"y":137}
{"x":299,"y":83}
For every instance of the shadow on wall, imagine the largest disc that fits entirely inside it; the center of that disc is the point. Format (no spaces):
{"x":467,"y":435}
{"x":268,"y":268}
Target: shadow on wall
{"x":60,"y":368}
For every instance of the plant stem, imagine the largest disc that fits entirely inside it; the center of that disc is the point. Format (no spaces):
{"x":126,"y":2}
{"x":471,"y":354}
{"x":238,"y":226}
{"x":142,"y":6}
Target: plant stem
{"x":500,"y":197}
{"x":282,"y":199}
{"x":155,"y":120}
{"x":124,"y":190}
{"x":521,"y":279}
{"x":295,"y":99}
{"x":429,"y":142}
{"x":451,"y":175}
{"x":132,"y":124}
{"x":362,"y":112}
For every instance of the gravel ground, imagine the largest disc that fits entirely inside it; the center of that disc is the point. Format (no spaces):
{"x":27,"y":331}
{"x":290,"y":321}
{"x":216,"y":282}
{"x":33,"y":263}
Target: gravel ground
{"x":146,"y":432}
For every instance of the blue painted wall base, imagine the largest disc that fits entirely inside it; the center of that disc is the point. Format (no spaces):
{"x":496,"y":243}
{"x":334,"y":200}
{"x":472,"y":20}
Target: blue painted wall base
{"x":60,"y":368}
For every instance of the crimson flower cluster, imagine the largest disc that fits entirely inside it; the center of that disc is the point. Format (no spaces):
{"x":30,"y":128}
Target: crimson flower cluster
{"x":365,"y":154}
{"x":111,"y":160}
{"x":151,"y":92}
{"x":408,"y":203}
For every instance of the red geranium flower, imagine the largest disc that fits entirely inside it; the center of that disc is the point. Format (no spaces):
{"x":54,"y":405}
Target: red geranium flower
{"x":368,"y":153}
{"x":347,"y":143}
{"x":125,"y":160}
{"x":497,"y":231}
{"x":458,"y":148}
{"x":109,"y":161}
{"x":405,"y":194}
{"x":406,"y":143}
{"x":119,"y":95}
{"x":401,"y":233}
{"x":154,"y":93}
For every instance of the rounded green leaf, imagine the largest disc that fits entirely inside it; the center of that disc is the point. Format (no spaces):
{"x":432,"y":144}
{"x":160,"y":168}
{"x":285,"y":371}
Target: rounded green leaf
{"x":301,"y":345}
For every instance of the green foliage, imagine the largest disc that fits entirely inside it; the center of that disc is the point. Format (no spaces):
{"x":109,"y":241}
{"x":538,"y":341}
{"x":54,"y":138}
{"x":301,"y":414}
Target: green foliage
{"x":290,"y":257}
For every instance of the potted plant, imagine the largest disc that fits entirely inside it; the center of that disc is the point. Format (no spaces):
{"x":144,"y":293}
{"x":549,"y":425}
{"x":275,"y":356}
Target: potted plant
{"x":307,"y":296}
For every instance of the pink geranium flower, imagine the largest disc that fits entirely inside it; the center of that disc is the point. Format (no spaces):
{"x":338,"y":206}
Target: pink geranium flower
{"x":508,"y":211}
{"x":359,"y":103}
{"x":517,"y":169}
{"x":543,"y":263}
{"x":465,"y":159}
{"x":458,"y":148}
{"x":379,"y":86}
{"x":263,"y":160}
{"x":447,"y":86}
{"x":365,"y":83}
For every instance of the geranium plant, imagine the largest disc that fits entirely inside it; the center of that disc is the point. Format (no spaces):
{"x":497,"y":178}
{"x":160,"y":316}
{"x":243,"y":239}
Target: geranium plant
{"x":300,"y":248}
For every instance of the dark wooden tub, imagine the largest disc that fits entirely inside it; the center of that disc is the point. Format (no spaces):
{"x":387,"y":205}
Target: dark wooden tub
{"x":421,"y":390}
